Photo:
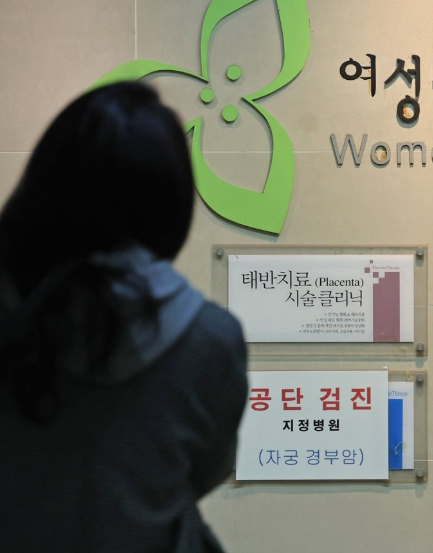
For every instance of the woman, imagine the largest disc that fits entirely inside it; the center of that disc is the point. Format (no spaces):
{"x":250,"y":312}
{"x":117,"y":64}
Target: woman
{"x":121,"y":387}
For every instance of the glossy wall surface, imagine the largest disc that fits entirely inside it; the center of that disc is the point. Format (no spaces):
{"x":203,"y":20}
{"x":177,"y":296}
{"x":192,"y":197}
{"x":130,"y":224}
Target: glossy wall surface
{"x":52,"y":50}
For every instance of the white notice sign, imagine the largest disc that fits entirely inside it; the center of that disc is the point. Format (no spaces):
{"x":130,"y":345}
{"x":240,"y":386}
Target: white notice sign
{"x":314,"y":426}
{"x":323,"y":298}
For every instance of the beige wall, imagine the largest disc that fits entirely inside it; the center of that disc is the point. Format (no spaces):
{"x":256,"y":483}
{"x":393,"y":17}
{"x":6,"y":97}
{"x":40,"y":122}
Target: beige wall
{"x":51,"y":50}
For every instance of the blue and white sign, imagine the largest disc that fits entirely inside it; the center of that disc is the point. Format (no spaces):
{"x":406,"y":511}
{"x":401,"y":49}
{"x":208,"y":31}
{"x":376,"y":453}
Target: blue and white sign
{"x":401,"y":425}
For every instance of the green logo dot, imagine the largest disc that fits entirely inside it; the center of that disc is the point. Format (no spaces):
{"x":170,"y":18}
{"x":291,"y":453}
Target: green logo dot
{"x":207,"y":95}
{"x":230,"y":113}
{"x":234,"y":72}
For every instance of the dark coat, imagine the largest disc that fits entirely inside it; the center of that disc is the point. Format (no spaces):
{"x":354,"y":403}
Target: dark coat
{"x":121,"y":466}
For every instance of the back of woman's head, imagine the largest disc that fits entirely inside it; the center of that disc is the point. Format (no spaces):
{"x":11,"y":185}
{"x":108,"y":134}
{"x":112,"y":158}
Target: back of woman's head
{"x":112,"y":169}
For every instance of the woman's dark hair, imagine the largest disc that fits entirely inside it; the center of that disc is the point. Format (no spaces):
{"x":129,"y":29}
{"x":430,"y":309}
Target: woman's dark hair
{"x":111,"y":171}
{"x":112,"y":168}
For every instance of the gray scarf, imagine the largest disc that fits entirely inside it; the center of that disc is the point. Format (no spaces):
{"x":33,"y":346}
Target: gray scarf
{"x":150,"y":303}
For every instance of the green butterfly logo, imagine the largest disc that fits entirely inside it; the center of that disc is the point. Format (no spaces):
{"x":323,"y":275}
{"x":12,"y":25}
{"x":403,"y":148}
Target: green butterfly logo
{"x":264,"y":210}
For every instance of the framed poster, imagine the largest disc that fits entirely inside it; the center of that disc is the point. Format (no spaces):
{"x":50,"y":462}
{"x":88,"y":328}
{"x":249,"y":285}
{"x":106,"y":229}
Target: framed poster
{"x":323,"y":298}
{"x":331,"y":301}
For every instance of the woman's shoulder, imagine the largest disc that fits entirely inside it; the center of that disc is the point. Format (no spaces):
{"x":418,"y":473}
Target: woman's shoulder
{"x":219,"y":323}
{"x":215,"y":339}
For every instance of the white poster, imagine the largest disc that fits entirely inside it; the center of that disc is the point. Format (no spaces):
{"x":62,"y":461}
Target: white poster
{"x":314,"y":426}
{"x":323,"y":298}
